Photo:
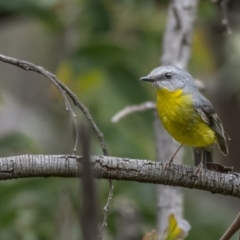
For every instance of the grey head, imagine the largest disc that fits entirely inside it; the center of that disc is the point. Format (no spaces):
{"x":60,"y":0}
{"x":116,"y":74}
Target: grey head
{"x":172,"y":78}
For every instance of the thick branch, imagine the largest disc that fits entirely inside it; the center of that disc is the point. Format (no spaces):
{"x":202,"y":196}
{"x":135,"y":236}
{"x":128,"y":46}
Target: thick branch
{"x":65,"y":90}
{"x":116,"y":168}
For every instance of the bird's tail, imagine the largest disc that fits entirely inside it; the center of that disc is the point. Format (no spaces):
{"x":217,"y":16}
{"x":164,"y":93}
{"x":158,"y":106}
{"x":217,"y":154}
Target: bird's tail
{"x":202,"y":153}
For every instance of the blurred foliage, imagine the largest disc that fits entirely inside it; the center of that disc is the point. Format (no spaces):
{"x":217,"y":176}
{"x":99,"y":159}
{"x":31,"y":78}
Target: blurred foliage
{"x":151,"y":235}
{"x":17,"y":143}
{"x":44,"y":10}
{"x":113,"y":45}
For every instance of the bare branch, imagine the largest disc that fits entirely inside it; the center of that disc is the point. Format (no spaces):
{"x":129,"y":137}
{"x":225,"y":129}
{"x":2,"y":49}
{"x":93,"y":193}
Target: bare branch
{"x":225,"y":20}
{"x":235,"y":226}
{"x":181,"y":16}
{"x":62,"y":88}
{"x":108,"y":167}
{"x":200,"y":84}
{"x":65,"y":90}
{"x":132,"y":109}
{"x":69,"y":109}
{"x":145,"y":106}
{"x":106,"y":208}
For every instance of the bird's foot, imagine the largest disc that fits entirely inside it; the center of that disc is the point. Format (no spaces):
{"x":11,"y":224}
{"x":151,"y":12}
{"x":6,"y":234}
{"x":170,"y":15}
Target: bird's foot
{"x":168,"y":165}
{"x":198,"y":171}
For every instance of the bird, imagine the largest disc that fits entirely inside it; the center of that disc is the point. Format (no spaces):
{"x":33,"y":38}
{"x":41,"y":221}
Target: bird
{"x":186,"y":114}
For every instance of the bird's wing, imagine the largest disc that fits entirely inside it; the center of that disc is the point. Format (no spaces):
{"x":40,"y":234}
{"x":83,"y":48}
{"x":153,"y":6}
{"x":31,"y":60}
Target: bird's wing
{"x":209,"y":116}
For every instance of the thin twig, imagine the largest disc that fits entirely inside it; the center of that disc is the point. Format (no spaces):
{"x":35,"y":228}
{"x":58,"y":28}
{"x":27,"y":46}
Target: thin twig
{"x":109,"y":167}
{"x":146,"y":105}
{"x":131,"y":109}
{"x":235,"y":226}
{"x":69,"y":109}
{"x":64,"y":89}
{"x":200,"y":84}
{"x":225,"y":19}
{"x":106,"y":208}
{"x":61,"y":87}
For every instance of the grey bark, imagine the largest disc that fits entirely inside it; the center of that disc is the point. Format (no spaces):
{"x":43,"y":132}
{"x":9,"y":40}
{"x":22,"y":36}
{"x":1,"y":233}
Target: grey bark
{"x":129,"y":220}
{"x":106,"y":167}
{"x":176,"y":51}
{"x":169,"y":199}
{"x":178,"y":35}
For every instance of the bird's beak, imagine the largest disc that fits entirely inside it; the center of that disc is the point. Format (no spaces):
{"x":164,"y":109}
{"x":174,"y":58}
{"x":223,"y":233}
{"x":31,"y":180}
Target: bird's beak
{"x":147,"y":79}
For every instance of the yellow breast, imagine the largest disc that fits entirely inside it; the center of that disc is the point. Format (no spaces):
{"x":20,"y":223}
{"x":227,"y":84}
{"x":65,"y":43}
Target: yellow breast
{"x":181,"y":120}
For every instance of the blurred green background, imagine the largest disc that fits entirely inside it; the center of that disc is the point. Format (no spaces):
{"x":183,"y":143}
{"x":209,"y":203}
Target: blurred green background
{"x":99,"y":49}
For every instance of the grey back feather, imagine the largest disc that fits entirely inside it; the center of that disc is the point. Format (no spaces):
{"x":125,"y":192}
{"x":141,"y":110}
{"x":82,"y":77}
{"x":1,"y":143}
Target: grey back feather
{"x":209,"y":116}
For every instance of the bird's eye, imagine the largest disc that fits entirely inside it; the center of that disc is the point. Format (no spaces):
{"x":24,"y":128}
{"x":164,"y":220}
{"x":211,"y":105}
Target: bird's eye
{"x":168,"y":75}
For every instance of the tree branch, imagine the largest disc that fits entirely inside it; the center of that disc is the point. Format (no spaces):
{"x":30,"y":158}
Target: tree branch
{"x":234,"y":227}
{"x":132,"y":109}
{"x":64,"y":90}
{"x":28,"y":66}
{"x":106,"y":167}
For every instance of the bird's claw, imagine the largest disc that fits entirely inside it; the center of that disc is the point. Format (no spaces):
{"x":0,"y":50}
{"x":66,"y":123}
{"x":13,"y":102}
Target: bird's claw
{"x":168,"y":165}
{"x":198,"y":171}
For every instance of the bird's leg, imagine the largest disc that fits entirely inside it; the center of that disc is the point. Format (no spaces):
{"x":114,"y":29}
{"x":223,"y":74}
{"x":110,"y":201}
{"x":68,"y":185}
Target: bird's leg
{"x":170,"y":161}
{"x":200,"y":165}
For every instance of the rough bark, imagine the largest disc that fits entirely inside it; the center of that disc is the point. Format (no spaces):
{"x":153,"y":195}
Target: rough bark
{"x":106,"y":167}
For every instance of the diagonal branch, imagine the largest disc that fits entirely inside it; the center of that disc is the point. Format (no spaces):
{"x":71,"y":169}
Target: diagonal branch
{"x":65,"y":90}
{"x":107,"y":167}
{"x":62,"y":88}
{"x":234,"y":227}
{"x":132,"y":109}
